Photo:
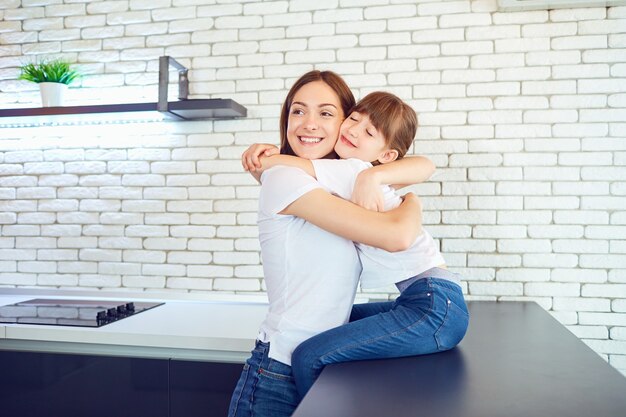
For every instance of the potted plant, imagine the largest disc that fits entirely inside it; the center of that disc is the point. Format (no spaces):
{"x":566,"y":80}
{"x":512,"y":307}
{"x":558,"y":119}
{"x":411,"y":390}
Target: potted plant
{"x":53,"y":78}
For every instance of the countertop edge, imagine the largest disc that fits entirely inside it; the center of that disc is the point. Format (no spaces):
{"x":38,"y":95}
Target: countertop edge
{"x":73,"y":348}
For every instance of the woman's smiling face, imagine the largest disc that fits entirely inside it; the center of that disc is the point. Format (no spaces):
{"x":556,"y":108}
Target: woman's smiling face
{"x":315,"y":116}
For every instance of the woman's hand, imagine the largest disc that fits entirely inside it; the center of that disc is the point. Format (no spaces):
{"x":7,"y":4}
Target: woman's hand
{"x":367,"y":192}
{"x":413,"y":204}
{"x":250,"y":158}
{"x":410,"y":212}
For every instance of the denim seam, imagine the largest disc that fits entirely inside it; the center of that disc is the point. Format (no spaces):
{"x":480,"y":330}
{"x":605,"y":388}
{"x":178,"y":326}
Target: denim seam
{"x":404,"y":329}
{"x":243,"y":386}
{"x":442,"y":323}
{"x":263,"y":349}
{"x":252,"y":391}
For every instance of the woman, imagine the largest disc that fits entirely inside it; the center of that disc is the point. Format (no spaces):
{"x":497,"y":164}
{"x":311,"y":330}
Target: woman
{"x":310,"y":263}
{"x":430,"y":314}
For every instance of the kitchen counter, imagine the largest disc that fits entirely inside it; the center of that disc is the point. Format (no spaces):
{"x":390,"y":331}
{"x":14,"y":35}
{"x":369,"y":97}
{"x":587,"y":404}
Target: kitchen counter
{"x":208,"y":327}
{"x":515,"y":361}
{"x":180,"y":359}
{"x":185,"y":327}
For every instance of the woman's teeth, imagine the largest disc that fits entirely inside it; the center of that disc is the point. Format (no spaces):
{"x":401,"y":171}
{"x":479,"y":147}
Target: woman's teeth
{"x":310,"y":140}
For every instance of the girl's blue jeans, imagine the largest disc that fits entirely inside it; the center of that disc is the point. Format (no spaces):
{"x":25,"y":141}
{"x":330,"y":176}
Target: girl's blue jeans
{"x":266,"y":387}
{"x":429,"y":316}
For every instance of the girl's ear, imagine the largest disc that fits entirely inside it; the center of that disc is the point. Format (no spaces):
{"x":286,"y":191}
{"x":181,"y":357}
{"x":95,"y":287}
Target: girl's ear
{"x":387,"y":156}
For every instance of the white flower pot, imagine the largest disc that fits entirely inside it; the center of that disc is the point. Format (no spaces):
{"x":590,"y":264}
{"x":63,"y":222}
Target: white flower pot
{"x":52,"y":94}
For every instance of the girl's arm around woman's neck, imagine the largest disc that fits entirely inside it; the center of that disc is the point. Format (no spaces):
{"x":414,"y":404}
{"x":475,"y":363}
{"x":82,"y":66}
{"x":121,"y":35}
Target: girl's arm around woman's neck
{"x":402,"y":172}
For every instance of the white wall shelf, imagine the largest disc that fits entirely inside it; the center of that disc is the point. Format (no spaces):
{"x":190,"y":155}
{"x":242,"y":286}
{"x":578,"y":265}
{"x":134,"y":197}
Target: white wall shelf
{"x":198,"y":109}
{"x":181,"y":110}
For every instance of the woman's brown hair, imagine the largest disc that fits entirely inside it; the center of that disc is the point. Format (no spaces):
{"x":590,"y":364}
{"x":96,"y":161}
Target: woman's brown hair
{"x":392,"y":117}
{"x":333,"y":80}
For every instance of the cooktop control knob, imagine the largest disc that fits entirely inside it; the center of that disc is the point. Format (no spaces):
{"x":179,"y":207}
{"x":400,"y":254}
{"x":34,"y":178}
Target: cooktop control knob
{"x":121,"y":310}
{"x":112,"y":313}
{"x":101,"y":318}
{"x":130,"y":307}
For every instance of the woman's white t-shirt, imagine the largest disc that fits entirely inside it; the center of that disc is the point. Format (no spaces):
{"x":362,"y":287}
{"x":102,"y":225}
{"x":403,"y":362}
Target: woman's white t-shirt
{"x":311,"y":275}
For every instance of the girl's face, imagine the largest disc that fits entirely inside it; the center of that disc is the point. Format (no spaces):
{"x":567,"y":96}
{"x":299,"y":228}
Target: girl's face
{"x":315,"y":116}
{"x":358,"y":138}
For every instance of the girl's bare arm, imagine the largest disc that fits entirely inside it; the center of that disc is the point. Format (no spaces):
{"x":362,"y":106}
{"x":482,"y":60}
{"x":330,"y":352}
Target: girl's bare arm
{"x":287,"y":160}
{"x":250,"y":159}
{"x":402,"y":172}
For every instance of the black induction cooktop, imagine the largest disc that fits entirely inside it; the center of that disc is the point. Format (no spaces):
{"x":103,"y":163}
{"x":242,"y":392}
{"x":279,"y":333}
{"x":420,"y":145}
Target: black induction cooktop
{"x":81,"y":313}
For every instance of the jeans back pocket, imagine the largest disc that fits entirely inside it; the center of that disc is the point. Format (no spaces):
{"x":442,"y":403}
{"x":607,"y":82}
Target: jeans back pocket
{"x":453,"y":328}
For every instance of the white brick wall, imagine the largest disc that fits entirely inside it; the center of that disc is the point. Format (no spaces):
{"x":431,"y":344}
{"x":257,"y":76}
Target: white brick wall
{"x":522,"y":112}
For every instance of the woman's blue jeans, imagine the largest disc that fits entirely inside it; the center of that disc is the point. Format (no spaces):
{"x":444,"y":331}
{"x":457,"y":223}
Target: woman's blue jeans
{"x":266,"y":387}
{"x":429,"y":316}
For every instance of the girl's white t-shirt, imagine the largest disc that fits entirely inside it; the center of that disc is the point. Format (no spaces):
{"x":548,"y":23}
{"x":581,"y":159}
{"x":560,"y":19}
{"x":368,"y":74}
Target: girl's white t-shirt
{"x":311,"y":275}
{"x":380,"y":268}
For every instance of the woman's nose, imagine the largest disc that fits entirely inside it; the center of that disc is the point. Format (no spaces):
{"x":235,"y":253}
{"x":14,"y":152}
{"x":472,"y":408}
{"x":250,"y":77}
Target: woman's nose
{"x":311,"y":123}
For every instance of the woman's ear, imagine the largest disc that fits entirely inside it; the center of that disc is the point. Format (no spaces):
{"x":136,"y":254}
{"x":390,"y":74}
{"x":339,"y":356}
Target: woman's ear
{"x":387,"y":156}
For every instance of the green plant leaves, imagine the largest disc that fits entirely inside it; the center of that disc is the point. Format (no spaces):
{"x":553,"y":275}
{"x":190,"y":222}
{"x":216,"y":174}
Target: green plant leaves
{"x":57,"y":71}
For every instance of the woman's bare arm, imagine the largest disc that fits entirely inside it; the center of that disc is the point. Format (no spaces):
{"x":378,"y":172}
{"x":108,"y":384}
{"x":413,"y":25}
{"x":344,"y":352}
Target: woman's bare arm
{"x":394,"y":230}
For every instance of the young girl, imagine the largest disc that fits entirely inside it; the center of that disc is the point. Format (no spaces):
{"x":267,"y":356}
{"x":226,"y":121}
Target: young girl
{"x":430,"y":315}
{"x":310,"y":263}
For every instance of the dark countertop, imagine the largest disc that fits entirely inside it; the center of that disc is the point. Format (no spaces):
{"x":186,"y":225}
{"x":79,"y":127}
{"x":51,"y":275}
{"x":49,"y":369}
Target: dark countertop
{"x":515,"y":361}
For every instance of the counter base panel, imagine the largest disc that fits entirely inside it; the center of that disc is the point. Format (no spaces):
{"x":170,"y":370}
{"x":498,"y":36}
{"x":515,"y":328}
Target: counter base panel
{"x":35,"y":384}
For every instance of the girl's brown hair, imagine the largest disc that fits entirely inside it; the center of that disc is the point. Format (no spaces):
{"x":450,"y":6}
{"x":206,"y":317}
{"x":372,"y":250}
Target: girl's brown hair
{"x":334,"y":81}
{"x":392,"y":117}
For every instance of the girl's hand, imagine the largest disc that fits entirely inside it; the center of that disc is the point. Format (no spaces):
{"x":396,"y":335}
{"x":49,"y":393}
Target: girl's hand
{"x":250,"y":158}
{"x":367,"y":192}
